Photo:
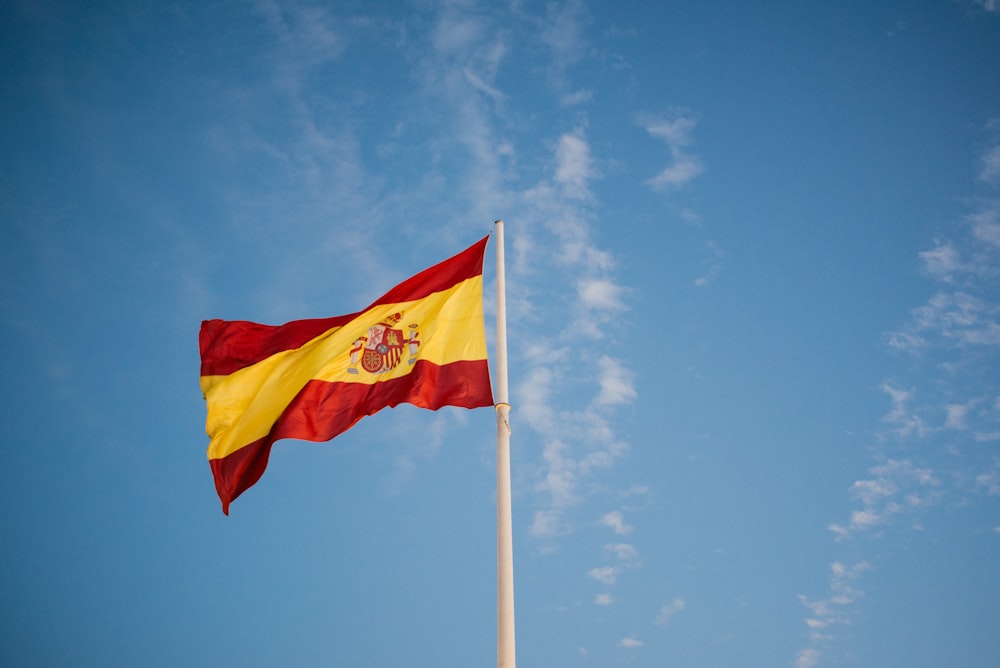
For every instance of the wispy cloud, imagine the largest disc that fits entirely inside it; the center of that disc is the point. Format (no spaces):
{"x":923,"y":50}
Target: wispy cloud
{"x":616,"y":522}
{"x":956,"y":416}
{"x":578,"y":441}
{"x":624,"y":557}
{"x":677,"y":131}
{"x":574,"y":166}
{"x":896,"y":486}
{"x":577,"y":97}
{"x":930,"y":444}
{"x":712,"y":264}
{"x":952,"y":319}
{"x":622,"y":551}
{"x":630,"y":642}
{"x":832,"y":611}
{"x":616,"y":381}
{"x":904,"y":421}
{"x":807,"y":658}
{"x":989,"y":482}
{"x":942,"y":261}
{"x":669,"y":610}
{"x":600,"y":294}
{"x":561,"y":31}
{"x":604,"y":574}
{"x":307,"y":37}
{"x":988,"y":5}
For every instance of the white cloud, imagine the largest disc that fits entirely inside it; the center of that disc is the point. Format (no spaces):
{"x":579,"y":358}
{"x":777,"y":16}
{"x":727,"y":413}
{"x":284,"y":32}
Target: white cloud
{"x":616,"y":383}
{"x":631,"y":642}
{"x":600,"y":294}
{"x":481,"y":85}
{"x":831,"y":611}
{"x":807,"y":658}
{"x":535,"y":398}
{"x":713,"y":264}
{"x":942,"y":262}
{"x":457,"y":33}
{"x":990,"y":170}
{"x":548,"y":523}
{"x":955,"y":416}
{"x":959,"y":318}
{"x":907,"y":342}
{"x":865,"y":519}
{"x":604,"y":574}
{"x":307,"y":37}
{"x":636,"y":490}
{"x":840,"y":530}
{"x":616,"y":522}
{"x":691,"y":217}
{"x":989,"y":481}
{"x":906,"y":422}
{"x":896,"y":487}
{"x":899,"y":398}
{"x":560,"y":477}
{"x":669,"y":610}
{"x":577,"y":444}
{"x":986,"y":226}
{"x":684,"y":169}
{"x":904,"y":469}
{"x":603,"y":599}
{"x":573,"y":165}
{"x":550,"y":223}
{"x":561,"y":33}
{"x":677,"y":132}
{"x":622,"y":551}
{"x":577,"y":97}
{"x":872,"y":491}
{"x":955,"y":333}
{"x":965,"y":317}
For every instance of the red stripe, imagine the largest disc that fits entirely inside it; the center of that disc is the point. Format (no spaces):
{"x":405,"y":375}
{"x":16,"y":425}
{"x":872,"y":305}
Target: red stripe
{"x":322,"y":410}
{"x":230,"y":345}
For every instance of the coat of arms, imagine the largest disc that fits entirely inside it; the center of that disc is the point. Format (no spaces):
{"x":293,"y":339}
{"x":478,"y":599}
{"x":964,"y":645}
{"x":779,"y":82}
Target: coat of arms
{"x":384,"y":346}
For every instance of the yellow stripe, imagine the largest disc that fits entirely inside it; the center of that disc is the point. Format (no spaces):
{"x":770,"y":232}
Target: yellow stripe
{"x":243,"y":406}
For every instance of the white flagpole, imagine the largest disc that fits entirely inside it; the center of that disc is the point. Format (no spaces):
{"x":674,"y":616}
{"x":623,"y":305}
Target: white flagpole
{"x":505,"y":542}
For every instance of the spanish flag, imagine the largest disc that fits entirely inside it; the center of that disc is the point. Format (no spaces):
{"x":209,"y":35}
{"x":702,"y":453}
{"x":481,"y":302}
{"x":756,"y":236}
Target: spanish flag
{"x":421,"y":343}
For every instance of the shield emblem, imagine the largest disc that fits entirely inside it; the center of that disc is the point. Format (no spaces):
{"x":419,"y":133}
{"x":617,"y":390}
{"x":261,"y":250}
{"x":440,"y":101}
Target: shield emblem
{"x":383,"y":349}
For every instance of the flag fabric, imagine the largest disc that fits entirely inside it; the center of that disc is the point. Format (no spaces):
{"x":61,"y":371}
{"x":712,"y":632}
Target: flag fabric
{"x":421,"y":343}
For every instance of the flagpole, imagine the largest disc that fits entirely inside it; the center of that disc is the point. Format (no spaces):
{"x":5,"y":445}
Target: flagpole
{"x":505,"y":542}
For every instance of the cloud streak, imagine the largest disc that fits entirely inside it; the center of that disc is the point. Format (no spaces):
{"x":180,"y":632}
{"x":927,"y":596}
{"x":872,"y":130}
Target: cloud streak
{"x":670,"y":610}
{"x":896,"y":487}
{"x":677,"y":132}
{"x":832,"y":611}
{"x":929,"y":447}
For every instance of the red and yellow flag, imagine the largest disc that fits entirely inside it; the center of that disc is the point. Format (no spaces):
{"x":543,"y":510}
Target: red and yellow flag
{"x":421,"y":343}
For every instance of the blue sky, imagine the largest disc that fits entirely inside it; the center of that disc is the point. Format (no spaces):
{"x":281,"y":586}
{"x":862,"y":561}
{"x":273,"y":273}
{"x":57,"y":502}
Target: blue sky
{"x":754,"y":318}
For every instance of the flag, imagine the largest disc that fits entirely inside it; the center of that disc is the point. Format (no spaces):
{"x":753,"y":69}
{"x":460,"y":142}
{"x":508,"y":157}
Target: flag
{"x":421,"y":343}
